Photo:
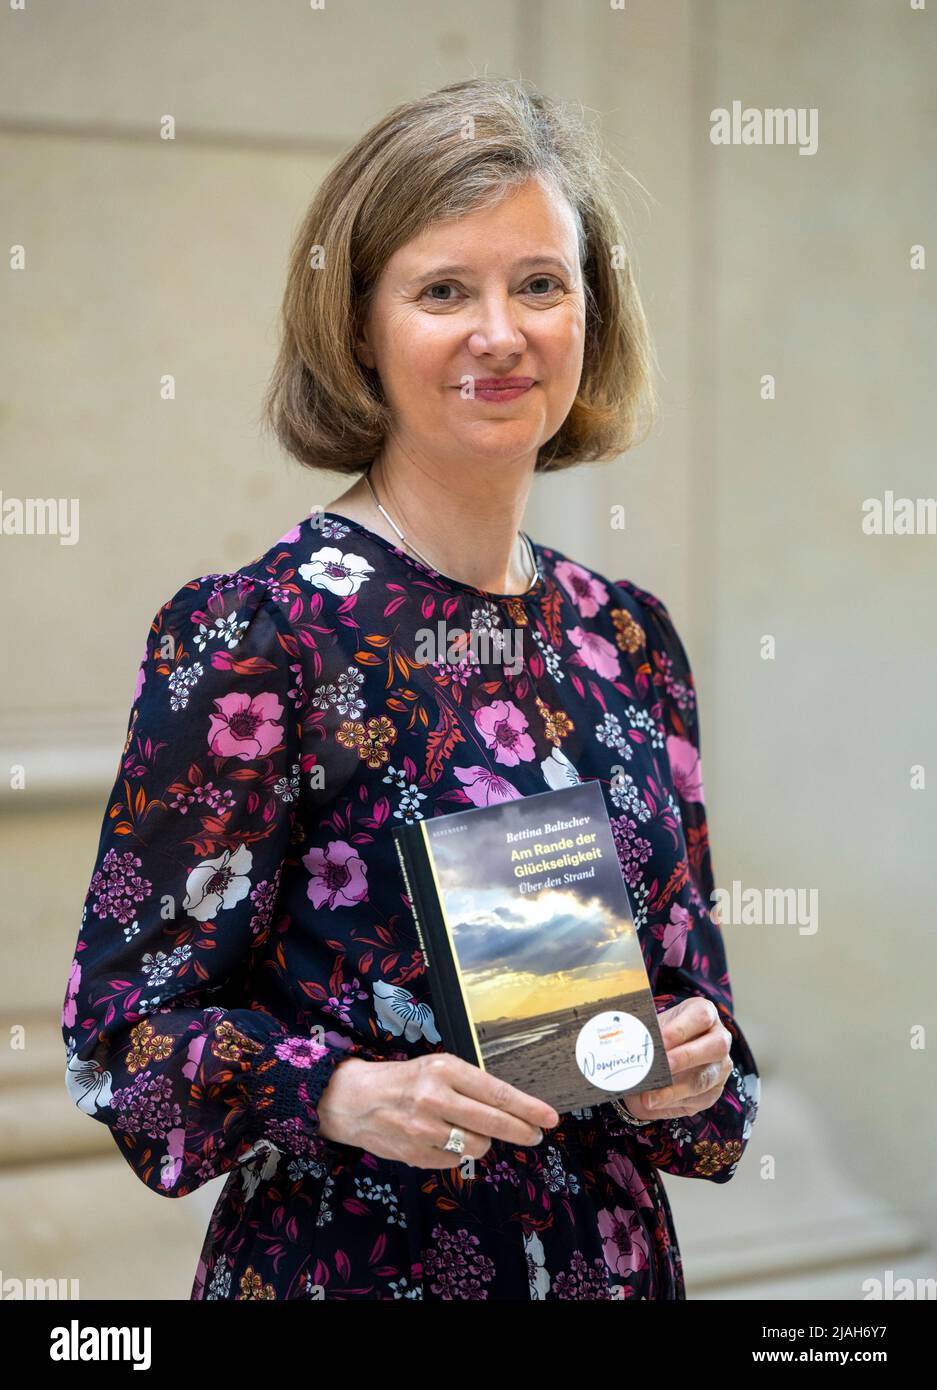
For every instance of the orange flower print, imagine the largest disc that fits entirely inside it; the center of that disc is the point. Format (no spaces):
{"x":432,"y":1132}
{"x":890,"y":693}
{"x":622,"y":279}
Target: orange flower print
{"x":556,"y":723}
{"x":713,"y":1157}
{"x":253,"y":1286}
{"x":629,"y":635}
{"x":371,"y":741}
{"x":232,"y":1045}
{"x":146,"y":1047}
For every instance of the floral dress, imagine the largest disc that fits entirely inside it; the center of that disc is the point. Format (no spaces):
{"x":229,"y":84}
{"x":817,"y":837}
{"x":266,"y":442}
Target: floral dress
{"x":246,"y":927}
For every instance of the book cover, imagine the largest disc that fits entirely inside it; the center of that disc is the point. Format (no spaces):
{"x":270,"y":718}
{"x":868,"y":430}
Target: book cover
{"x":533,"y":962}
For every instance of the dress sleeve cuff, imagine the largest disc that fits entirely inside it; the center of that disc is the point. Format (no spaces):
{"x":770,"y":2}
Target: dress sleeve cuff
{"x":288,"y":1078}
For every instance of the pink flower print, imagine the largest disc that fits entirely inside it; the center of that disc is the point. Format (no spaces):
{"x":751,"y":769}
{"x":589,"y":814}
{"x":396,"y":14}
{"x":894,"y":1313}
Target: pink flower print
{"x":485,"y":788}
{"x":587,"y":593}
{"x":502,"y":726}
{"x":686,"y":769}
{"x":624,"y":1241}
{"x":620,"y":1168}
{"x":117,"y":887}
{"x":69,"y":1009}
{"x":300,"y":1052}
{"x":337,"y":876}
{"x":597,"y":653}
{"x":674,"y":936}
{"x":193,"y":1056}
{"x":291,"y":537}
{"x":245,"y":728}
{"x":171,"y":1162}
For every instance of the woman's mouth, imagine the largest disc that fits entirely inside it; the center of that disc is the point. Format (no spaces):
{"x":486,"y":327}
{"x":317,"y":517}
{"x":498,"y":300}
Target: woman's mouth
{"x":505,"y":388}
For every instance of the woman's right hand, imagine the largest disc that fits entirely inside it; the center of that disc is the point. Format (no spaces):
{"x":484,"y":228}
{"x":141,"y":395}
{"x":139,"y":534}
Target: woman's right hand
{"x":405,"y":1110}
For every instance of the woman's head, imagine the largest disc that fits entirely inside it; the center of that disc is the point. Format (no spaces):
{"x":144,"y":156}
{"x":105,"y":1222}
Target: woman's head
{"x":486,"y":175}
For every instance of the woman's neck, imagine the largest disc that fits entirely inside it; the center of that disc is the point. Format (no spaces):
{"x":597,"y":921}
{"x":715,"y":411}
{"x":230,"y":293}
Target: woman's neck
{"x":467,"y":535}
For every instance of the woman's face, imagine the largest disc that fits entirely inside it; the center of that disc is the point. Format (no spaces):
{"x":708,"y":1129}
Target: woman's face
{"x":495,"y":293}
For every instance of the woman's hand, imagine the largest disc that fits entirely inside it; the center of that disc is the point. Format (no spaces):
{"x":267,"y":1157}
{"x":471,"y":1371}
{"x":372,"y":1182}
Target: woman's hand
{"x":697,"y":1047}
{"x":405,"y":1110}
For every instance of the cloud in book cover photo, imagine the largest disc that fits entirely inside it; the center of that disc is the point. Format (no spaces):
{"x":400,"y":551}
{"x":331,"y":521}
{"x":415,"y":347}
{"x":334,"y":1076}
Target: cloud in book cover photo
{"x":519,"y":960}
{"x":543,"y":937}
{"x":543,"y":975}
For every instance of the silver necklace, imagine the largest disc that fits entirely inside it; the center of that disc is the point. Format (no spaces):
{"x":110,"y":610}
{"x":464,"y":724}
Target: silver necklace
{"x":535,"y":571}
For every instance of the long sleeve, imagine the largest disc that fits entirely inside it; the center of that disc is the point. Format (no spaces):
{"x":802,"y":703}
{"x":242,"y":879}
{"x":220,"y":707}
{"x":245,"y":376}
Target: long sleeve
{"x":164,"y":1045}
{"x":690,"y":956}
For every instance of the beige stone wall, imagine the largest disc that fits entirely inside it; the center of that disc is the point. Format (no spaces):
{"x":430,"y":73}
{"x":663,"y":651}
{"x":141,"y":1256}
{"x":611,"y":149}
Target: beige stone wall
{"x":147,"y":257}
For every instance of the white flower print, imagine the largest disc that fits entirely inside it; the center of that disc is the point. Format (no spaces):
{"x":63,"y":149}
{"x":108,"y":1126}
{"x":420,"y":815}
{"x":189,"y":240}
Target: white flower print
{"x":287,"y":788}
{"x":556,"y":1177}
{"x":637,"y":896}
{"x":299,"y":1167}
{"x":486,"y":618}
{"x":227,"y":630}
{"x":401,"y":1290}
{"x":537,"y":1274}
{"x":88,"y":1084}
{"x":640,"y":719}
{"x":408,"y":810}
{"x":558,"y":771}
{"x":343,"y":694}
{"x":216,"y":884}
{"x":181,"y":682}
{"x":220,"y":1284}
{"x":329,"y":529}
{"x":625,"y":795}
{"x":340,"y":573}
{"x":324,"y":1213}
{"x":551,"y":657}
{"x":159,"y":968}
{"x":612,"y":735}
{"x":367,"y":1189}
{"x":399,"y":1012}
{"x":262,"y":1155}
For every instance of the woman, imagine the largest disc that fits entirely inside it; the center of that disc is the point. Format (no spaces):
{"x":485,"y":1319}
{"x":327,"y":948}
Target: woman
{"x":248,"y":995}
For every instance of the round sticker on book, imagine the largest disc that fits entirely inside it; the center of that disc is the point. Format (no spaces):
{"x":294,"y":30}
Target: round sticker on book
{"x":614,"y":1050}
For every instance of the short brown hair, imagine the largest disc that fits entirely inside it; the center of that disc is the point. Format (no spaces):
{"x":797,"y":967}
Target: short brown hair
{"x":453,"y":151}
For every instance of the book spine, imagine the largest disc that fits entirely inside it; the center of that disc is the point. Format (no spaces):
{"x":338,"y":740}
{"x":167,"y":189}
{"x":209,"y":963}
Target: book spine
{"x":405,"y":852}
{"x":416,"y":916}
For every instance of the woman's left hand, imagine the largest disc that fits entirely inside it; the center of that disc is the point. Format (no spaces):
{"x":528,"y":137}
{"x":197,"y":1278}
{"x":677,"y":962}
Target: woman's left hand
{"x":697,"y":1046}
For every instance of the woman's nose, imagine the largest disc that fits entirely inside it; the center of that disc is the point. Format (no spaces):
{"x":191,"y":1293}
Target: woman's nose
{"x":497,"y":328}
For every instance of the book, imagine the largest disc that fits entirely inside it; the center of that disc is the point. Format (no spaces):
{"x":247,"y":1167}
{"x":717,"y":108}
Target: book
{"x":532,"y":958}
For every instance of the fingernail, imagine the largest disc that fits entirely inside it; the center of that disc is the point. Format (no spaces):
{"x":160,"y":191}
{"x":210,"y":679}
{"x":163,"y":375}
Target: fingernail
{"x":539,"y":1138}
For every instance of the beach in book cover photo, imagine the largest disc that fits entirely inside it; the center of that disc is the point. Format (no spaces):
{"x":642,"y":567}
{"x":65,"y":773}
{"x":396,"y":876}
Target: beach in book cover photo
{"x":542,"y":936}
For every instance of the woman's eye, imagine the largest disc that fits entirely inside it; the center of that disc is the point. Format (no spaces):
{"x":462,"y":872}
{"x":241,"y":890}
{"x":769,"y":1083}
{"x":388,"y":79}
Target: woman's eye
{"x":545,"y":279}
{"x":442,"y":286}
{"x":549,"y":285}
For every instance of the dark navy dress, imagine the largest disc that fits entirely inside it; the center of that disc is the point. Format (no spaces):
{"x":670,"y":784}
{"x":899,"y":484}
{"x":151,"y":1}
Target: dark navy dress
{"x":246,"y":928}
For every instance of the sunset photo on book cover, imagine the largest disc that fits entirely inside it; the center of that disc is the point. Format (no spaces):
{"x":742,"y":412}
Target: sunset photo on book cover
{"x":543,"y":936}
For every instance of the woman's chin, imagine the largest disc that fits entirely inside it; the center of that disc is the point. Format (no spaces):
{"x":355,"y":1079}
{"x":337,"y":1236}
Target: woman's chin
{"x":498,"y":440}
